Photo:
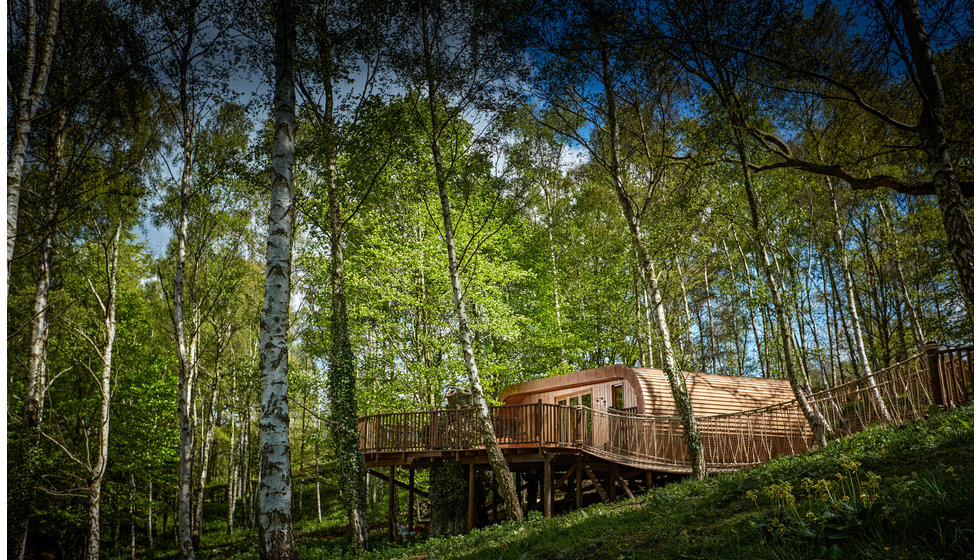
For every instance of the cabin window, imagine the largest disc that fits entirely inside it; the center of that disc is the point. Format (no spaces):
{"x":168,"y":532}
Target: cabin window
{"x":618,"y":397}
{"x":583,"y":398}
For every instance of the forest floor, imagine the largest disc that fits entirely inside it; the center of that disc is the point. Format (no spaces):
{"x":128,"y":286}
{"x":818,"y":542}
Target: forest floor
{"x":903,"y":493}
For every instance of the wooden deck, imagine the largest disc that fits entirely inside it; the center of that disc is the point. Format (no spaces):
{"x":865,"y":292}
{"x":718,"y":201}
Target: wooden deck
{"x":535,"y":432}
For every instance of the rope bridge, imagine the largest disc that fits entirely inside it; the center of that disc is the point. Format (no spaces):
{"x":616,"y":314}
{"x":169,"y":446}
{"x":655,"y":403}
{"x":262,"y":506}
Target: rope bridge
{"x":910,"y":389}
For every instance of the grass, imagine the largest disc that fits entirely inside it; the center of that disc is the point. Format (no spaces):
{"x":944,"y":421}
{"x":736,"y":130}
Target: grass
{"x":903,"y":493}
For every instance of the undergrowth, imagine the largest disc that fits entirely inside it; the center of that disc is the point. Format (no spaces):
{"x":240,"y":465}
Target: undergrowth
{"x":903,"y":493}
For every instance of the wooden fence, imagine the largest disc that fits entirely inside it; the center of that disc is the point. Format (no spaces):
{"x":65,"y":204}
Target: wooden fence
{"x":910,"y":389}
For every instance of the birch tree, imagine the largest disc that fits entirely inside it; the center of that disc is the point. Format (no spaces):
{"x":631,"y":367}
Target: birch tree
{"x":450,"y":51}
{"x":27,"y":89}
{"x":327,"y":66}
{"x":195,"y":67}
{"x":275,"y":477}
{"x":584,"y":50}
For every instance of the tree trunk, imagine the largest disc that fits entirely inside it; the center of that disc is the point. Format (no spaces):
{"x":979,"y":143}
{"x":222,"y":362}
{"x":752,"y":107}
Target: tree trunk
{"x":739,"y":346}
{"x":275,"y":479}
{"x":920,"y":339}
{"x":343,"y":381}
{"x":819,"y":428}
{"x":550,"y":204}
{"x":25,"y":471}
{"x":105,"y":395}
{"x":186,"y":381}
{"x":276,"y":486}
{"x":232,"y":457}
{"x":852,"y":309}
{"x":686,"y":349}
{"x":678,"y":386}
{"x":501,"y":470}
{"x":711,"y":321}
{"x":33,"y":84}
{"x":762,"y":348}
{"x":207,"y":438}
{"x":931,"y":129}
{"x":132,"y":517}
{"x":149,"y":515}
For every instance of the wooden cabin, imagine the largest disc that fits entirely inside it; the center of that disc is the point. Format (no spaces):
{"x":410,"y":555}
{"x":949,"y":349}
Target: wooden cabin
{"x":646,"y":391}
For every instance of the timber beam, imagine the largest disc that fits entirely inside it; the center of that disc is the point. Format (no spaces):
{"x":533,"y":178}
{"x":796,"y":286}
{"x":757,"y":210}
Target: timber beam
{"x":399,"y":483}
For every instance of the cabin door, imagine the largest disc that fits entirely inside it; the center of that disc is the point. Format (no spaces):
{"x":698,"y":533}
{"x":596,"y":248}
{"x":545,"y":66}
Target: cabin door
{"x":567,"y":417}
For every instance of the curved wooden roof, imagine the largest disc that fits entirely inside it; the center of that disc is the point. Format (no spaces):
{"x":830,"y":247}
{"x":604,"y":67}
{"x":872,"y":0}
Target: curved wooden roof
{"x":514,"y":393}
{"x":710,"y":393}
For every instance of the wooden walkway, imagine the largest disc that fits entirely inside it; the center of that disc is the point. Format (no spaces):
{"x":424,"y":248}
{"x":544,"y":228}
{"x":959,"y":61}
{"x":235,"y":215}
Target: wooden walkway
{"x":911,"y":389}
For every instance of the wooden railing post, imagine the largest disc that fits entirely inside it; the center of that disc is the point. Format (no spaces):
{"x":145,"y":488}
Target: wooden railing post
{"x":579,"y":426}
{"x":539,"y":421}
{"x":935,"y":374}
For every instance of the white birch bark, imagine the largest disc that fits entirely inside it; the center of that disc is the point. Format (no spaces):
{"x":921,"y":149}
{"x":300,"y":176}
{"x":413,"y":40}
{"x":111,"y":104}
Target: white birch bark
{"x":207,"y":439}
{"x":33,"y":84}
{"x":97,"y":471}
{"x":931,"y":129}
{"x":678,"y":386}
{"x":276,"y":540}
{"x":23,"y":486}
{"x":817,"y":424}
{"x":852,"y":310}
{"x":501,"y":470}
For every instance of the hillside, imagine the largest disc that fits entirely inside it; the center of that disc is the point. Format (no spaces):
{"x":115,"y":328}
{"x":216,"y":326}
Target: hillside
{"x":903,"y":492}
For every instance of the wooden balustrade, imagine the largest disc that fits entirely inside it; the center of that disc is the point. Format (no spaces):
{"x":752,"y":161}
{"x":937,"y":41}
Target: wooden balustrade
{"x":910,"y":389}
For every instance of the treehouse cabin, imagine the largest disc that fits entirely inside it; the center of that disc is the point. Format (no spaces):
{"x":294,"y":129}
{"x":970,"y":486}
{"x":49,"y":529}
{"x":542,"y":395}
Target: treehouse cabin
{"x":583,"y":436}
{"x":620,"y":413}
{"x":646,"y":391}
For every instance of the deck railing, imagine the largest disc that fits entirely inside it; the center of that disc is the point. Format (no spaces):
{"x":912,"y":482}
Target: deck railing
{"x":910,"y":389}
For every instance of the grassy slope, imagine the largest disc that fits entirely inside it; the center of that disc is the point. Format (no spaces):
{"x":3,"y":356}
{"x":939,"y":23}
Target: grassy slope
{"x":902,"y":492}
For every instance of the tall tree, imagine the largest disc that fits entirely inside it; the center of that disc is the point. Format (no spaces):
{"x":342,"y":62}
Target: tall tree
{"x":584,"y":79}
{"x":28,"y":91}
{"x":342,"y":40}
{"x":196,"y":66}
{"x":275,"y":477}
{"x":452,"y":53}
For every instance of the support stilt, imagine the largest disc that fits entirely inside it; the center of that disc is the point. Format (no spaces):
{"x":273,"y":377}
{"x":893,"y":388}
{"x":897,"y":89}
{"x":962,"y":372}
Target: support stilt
{"x":548,"y":489}
{"x":391,"y":504}
{"x":578,"y":486}
{"x":411,"y":499}
{"x":471,"y":502}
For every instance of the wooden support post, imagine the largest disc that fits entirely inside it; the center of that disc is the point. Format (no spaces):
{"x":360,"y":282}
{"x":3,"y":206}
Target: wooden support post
{"x":391,"y":504}
{"x":548,"y":489}
{"x":935,"y":375}
{"x":611,"y":477}
{"x":626,"y":486}
{"x":595,"y":483}
{"x":649,"y":480}
{"x":532,"y":492}
{"x":411,"y":499}
{"x":471,"y":505}
{"x":578,"y":486}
